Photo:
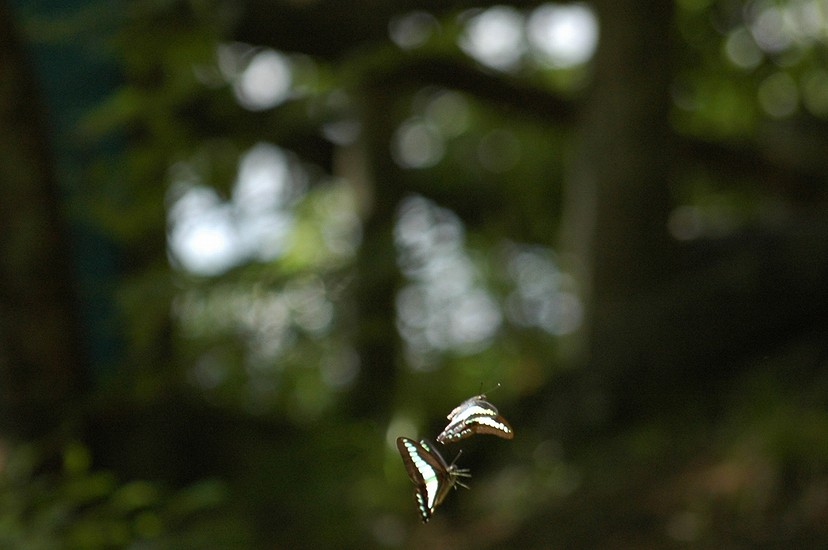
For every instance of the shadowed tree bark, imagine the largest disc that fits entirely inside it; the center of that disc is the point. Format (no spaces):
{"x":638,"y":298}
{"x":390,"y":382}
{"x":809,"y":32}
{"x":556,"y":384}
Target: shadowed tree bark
{"x":41,"y":362}
{"x":378,"y":276}
{"x":618,"y":199}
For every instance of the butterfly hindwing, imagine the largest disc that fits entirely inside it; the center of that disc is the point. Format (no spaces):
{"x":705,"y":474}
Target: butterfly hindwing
{"x":475,"y":416}
{"x":433,"y":478}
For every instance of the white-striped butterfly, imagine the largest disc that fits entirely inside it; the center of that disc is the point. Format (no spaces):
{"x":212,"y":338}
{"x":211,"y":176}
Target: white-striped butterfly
{"x":475,"y":416}
{"x":433,"y":478}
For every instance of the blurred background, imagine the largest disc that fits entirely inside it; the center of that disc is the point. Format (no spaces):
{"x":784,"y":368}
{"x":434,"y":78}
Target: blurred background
{"x":246,"y":244}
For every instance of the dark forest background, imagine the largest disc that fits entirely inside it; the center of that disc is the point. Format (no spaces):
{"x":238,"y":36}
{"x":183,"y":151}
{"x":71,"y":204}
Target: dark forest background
{"x":244,"y":245}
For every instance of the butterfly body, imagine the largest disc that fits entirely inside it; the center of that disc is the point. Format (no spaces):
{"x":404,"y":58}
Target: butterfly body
{"x":475,"y":416}
{"x":433,"y":478}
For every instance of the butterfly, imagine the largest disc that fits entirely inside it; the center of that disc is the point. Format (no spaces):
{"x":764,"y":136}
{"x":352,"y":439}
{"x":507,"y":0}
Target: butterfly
{"x":475,"y":416}
{"x":433,"y":478}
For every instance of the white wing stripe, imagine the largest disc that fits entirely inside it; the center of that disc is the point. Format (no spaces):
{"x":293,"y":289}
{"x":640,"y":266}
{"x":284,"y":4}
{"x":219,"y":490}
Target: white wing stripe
{"x":472,"y":411}
{"x":489,"y":421}
{"x":430,"y":477}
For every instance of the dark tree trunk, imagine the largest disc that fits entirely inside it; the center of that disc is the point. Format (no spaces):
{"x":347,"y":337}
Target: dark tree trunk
{"x":617,"y":195}
{"x":377,"y":274}
{"x":41,"y":363}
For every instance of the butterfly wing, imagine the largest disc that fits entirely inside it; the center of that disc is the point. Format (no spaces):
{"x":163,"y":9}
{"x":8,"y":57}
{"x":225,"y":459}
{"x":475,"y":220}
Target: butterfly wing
{"x":433,"y":478}
{"x":475,"y":416}
{"x":429,"y":473}
{"x":494,"y":425}
{"x":464,"y":405}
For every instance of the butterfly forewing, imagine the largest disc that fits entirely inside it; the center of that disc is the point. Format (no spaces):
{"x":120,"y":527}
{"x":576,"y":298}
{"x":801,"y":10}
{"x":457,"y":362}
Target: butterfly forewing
{"x":472,"y":405}
{"x":432,"y":477}
{"x":475,"y":416}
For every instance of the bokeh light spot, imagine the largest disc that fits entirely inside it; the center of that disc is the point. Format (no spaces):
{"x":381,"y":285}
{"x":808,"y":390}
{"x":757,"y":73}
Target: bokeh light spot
{"x":563,"y":35}
{"x":778,"y":95}
{"x":417,"y":144}
{"x":495,"y":37}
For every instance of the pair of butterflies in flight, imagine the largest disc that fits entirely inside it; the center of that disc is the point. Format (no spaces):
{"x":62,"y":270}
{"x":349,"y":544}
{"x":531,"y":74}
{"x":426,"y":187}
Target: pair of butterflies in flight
{"x":432,"y":476}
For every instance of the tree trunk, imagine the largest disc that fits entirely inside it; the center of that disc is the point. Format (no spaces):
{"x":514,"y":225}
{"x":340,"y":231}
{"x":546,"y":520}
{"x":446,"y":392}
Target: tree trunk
{"x":41,"y":363}
{"x":617,"y":200}
{"x":377,"y":274}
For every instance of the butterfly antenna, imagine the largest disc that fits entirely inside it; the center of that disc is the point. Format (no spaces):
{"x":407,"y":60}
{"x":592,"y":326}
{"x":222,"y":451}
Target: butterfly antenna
{"x":488,"y":391}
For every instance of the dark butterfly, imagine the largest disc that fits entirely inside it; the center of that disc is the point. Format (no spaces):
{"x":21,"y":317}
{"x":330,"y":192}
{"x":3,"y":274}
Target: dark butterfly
{"x":433,"y":478}
{"x":475,"y":416}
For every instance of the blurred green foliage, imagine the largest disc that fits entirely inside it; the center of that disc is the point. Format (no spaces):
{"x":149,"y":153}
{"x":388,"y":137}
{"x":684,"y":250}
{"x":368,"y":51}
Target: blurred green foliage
{"x":76,"y":506}
{"x":414,"y":220}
